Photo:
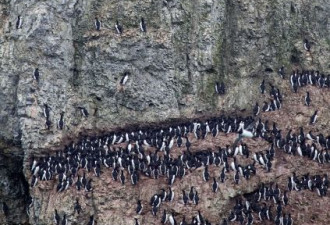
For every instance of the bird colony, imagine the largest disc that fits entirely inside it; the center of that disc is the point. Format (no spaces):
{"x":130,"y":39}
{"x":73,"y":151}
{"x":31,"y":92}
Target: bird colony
{"x":171,"y":153}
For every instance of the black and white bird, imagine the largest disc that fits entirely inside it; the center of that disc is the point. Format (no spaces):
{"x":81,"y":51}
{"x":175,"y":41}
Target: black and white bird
{"x":136,"y":221}
{"x":217,"y":87}
{"x":262,"y":87}
{"x":88,"y":186}
{"x":220,"y":88}
{"x":170,"y":195}
{"x":143,"y":26}
{"x":281,"y":72}
{"x":215,"y":185}
{"x":57,"y":218}
{"x":139,"y":207}
{"x":223,"y":175}
{"x":256,"y":109}
{"x":310,"y":136}
{"x":236,"y":177}
{"x":244,"y":133}
{"x":34,"y":181}
{"x":171,"y":219}
{"x":5,"y":209}
{"x":97,"y":24}
{"x":119,"y":28}
{"x":46,"y":111}
{"x":64,"y":220}
{"x":164,"y":217}
{"x":183,"y":222}
{"x":83,"y":111}
{"x":266,"y":107}
{"x":124,"y":79}
{"x":206,"y":174}
{"x":122,"y":177}
{"x":314,"y":117}
{"x":184,"y":197}
{"x":307,"y":45}
{"x":196,"y":198}
{"x":307,"y":99}
{"x":48,"y":124}
{"x":36,"y":75}
{"x":91,"y":220}
{"x":191,"y":194}
{"x":19,"y":22}
{"x":60,"y":123}
{"x":77,"y":207}
{"x":285,"y":198}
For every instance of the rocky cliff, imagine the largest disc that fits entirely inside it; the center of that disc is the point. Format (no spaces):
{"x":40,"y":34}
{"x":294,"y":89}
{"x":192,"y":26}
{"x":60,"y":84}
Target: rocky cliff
{"x":188,"y":47}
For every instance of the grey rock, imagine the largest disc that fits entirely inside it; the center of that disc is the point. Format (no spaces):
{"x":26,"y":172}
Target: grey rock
{"x":188,"y":47}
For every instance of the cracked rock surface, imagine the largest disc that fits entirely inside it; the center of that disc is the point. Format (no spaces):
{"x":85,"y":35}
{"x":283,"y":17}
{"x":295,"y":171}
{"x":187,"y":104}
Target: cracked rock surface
{"x":189,"y":45}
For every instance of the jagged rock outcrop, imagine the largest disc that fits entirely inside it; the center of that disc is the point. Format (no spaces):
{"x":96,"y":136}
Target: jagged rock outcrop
{"x":189,"y":46}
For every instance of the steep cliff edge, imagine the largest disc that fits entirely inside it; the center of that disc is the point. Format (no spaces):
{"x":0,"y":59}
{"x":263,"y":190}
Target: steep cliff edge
{"x":189,"y":46}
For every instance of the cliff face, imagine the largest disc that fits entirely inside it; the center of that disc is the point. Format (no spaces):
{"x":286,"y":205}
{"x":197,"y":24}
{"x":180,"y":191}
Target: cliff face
{"x":189,"y":45}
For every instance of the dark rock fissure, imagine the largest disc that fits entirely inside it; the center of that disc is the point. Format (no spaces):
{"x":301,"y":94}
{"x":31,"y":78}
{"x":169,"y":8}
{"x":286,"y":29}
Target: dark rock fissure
{"x":14,"y":188}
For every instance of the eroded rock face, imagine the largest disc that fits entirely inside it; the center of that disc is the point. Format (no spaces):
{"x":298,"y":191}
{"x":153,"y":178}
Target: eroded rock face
{"x":189,"y":45}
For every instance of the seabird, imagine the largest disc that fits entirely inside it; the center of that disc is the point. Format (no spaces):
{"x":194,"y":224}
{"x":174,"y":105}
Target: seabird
{"x":206,"y":175}
{"x":281,"y":72}
{"x":119,"y":28}
{"x":236,"y":177}
{"x":136,"y":221}
{"x":19,"y":22}
{"x":143,"y":26}
{"x":285,"y":198}
{"x":223,"y":175}
{"x":266,"y":107}
{"x":256,"y":109}
{"x":310,"y":136}
{"x":97,"y":24}
{"x":36,"y":75}
{"x":60,"y":123}
{"x":124,"y":79}
{"x":183,"y":222}
{"x":196,"y":198}
{"x":88,"y":186}
{"x":77,"y":207}
{"x":215,"y":185}
{"x":48,"y":123}
{"x":154,"y":210}
{"x":244,"y":133}
{"x":171,"y":219}
{"x":91,"y":220}
{"x":34,"y":181}
{"x":314,"y":117}
{"x":170,"y":195}
{"x":83,"y":111}
{"x":139,"y":207}
{"x":5,"y":209}
{"x":191,"y":193}
{"x":262,"y":87}
{"x":184,"y":197}
{"x":122,"y":177}
{"x":307,"y":45}
{"x":56,"y":218}
{"x":216,"y":86}
{"x":46,"y":111}
{"x":164,"y":217}
{"x":307,"y":99}
{"x":219,"y":88}
{"x":64,"y":221}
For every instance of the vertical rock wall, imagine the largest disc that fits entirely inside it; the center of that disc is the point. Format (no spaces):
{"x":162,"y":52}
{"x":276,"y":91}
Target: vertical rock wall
{"x":188,"y":47}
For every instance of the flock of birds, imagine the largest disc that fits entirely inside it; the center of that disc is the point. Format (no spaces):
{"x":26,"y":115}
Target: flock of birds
{"x":129,"y":155}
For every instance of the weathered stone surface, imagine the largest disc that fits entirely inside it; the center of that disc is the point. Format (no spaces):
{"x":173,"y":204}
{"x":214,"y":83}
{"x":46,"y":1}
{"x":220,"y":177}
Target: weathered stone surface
{"x":188,"y":47}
